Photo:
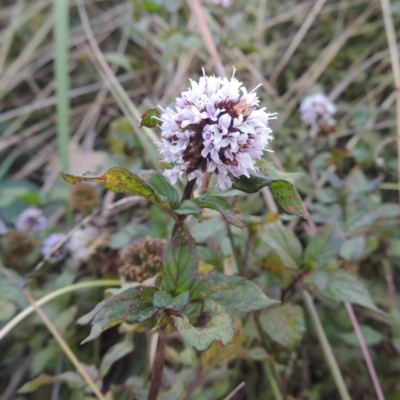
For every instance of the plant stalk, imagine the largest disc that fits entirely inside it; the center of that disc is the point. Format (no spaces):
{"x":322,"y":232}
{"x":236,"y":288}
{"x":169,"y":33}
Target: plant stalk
{"x":326,"y":348}
{"x":70,"y":288}
{"x":158,"y":367}
{"x":61,"y":57}
{"x":269,"y":368}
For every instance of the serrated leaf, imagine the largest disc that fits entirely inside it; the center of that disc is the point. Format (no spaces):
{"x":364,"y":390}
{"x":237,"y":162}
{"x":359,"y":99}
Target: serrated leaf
{"x":323,"y":248}
{"x":286,"y":196}
{"x":132,"y":305}
{"x":353,"y":249}
{"x":252,"y":184}
{"x":285,"y":243}
{"x":385,"y":211}
{"x":215,"y":203}
{"x":165,"y":300}
{"x":180,"y":262}
{"x":217,"y":354}
{"x":114,"y":353}
{"x":188,"y":207}
{"x":151,"y":118}
{"x":161,"y":185}
{"x":232,"y":292}
{"x":345,"y":287}
{"x":283,"y":191}
{"x":219,"y":327}
{"x":284,"y":324}
{"x":148,"y":184}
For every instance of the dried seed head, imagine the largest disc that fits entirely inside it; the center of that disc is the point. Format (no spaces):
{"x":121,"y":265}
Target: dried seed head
{"x":84,"y":197}
{"x":19,"y":246}
{"x":141,"y":261}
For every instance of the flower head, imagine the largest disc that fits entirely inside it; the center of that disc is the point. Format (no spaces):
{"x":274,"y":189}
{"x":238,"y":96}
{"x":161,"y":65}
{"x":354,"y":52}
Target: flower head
{"x":141,"y":261}
{"x":217,"y":127}
{"x":49,"y":245}
{"x":31,"y":220}
{"x":223,"y":3}
{"x":85,"y":241}
{"x":316,"y":111}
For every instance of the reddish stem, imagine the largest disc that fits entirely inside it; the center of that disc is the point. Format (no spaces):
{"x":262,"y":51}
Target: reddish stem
{"x":158,"y":366}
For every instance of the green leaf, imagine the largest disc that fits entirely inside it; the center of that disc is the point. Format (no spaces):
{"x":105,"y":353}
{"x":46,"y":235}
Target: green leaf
{"x":283,"y":191}
{"x":353,"y":249}
{"x":371,"y":336}
{"x":180,"y":262}
{"x":161,"y":185}
{"x":218,"y":327}
{"x":252,"y":184}
{"x":285,"y":243}
{"x":284,"y":324}
{"x":286,"y":196}
{"x":189,"y":207}
{"x":232,"y":292}
{"x":385,"y":211}
{"x":165,"y":300}
{"x":132,"y":305}
{"x":215,"y":203}
{"x":148,"y":184}
{"x":268,"y":169}
{"x":151,"y":118}
{"x":395,"y":316}
{"x":118,"y":59}
{"x":323,"y":248}
{"x":72,"y":379}
{"x":345,"y":287}
{"x":114,"y":353}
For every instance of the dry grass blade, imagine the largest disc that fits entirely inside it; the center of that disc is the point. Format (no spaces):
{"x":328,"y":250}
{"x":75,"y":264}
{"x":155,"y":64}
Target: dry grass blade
{"x":297,"y":40}
{"x":395,"y":59}
{"x":63,"y":344}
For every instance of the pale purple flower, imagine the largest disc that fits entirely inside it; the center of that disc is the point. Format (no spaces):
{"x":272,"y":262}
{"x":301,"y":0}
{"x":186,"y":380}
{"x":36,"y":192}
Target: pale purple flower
{"x":51,"y":243}
{"x":217,"y":127}
{"x":31,"y":220}
{"x":316,"y":111}
{"x":223,"y":3}
{"x":3,"y":228}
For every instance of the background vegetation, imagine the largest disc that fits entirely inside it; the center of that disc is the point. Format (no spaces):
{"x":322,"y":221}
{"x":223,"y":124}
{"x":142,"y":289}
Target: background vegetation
{"x":72,"y":92}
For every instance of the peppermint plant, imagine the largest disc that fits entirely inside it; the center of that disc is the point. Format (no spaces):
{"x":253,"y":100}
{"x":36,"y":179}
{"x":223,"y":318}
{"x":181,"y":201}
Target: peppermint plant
{"x":211,"y":140}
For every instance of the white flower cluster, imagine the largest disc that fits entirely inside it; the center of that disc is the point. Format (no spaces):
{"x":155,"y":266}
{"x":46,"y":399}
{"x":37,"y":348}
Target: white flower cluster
{"x":54,"y":242}
{"x":31,"y":220}
{"x":316,"y":112}
{"x":217,"y":128}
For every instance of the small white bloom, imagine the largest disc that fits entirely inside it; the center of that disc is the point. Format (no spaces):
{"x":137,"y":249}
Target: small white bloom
{"x":316,"y":111}
{"x":217,"y":127}
{"x":51,"y":243}
{"x":82,"y":240}
{"x":3,"y":228}
{"x":31,"y":220}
